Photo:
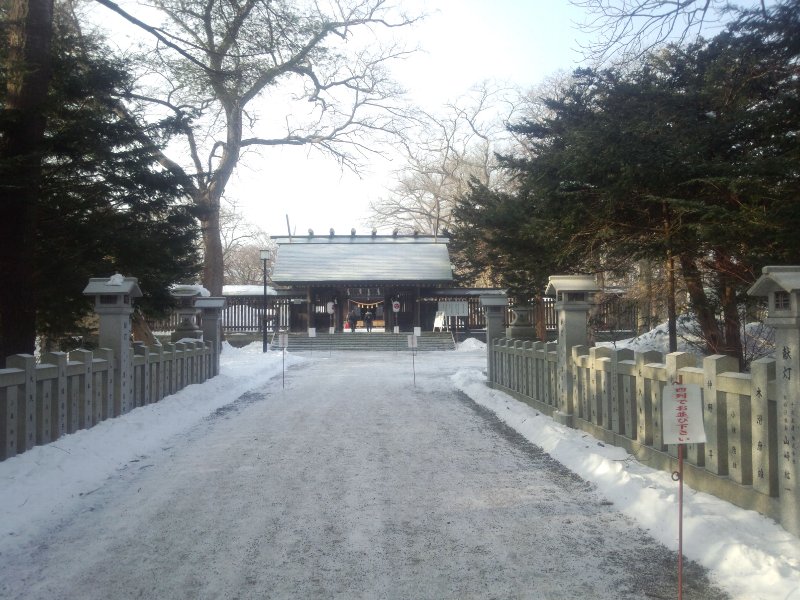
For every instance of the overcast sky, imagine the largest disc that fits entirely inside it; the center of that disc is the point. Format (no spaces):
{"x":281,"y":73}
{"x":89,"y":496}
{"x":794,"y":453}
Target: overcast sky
{"x":464,"y":42}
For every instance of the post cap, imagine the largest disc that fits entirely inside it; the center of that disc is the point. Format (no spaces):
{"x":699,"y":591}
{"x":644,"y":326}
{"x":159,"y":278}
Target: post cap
{"x":114,"y":285}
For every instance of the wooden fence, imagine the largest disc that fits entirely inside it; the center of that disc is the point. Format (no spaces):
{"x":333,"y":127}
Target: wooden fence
{"x":243,"y":314}
{"x":616,"y":396}
{"x":64,"y":393}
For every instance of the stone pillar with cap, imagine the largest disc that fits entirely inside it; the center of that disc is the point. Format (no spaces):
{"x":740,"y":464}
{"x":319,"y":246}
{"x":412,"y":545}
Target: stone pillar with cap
{"x":113,"y":303}
{"x":494,"y":306}
{"x":574,"y":297}
{"x":781,"y":286}
{"x":211,"y":312}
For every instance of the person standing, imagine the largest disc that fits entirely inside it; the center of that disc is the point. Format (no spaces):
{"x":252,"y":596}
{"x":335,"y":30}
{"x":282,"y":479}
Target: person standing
{"x":368,"y":321}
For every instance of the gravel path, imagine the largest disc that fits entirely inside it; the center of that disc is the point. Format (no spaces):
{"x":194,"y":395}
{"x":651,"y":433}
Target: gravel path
{"x":350,"y":483}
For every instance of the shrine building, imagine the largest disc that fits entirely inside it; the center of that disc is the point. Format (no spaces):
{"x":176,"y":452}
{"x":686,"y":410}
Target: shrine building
{"x":403,"y":280}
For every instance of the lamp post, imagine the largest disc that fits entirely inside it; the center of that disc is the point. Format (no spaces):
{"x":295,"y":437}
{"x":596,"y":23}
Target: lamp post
{"x":264,"y":258}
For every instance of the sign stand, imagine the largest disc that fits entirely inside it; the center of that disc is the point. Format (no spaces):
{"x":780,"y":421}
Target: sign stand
{"x":412,"y":343}
{"x":680,"y":521}
{"x":284,"y":340}
{"x":682,"y":421}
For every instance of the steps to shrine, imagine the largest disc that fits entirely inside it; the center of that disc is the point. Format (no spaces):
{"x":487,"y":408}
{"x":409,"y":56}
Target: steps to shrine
{"x":365,"y":342}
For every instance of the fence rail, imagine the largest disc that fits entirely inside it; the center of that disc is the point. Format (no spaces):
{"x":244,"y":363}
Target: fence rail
{"x":616,"y":396}
{"x":67,"y":392}
{"x":243,"y":314}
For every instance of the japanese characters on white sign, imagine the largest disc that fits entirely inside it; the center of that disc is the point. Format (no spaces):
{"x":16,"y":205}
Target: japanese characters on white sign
{"x":682,"y":414}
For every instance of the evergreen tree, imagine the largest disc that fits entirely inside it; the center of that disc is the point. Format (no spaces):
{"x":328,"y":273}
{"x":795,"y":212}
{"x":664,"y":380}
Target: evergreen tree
{"x":691,"y":155}
{"x":106,"y":205}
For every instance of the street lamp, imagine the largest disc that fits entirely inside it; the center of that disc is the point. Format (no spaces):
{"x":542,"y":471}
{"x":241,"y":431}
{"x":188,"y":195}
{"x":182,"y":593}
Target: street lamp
{"x":264,"y":258}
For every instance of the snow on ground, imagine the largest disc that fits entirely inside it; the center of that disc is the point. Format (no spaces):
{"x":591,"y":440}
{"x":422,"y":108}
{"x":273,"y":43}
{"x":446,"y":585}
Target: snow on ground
{"x":758,"y":339}
{"x":749,"y":556}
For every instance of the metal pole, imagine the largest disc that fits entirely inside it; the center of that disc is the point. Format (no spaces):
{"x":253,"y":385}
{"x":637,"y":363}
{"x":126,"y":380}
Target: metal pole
{"x":680,"y":521}
{"x":264,"y":311}
{"x":680,"y":514}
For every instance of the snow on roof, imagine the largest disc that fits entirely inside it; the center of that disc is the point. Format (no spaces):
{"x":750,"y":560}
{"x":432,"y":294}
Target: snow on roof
{"x":116,"y":284}
{"x":246,"y":290}
{"x":361,"y":258}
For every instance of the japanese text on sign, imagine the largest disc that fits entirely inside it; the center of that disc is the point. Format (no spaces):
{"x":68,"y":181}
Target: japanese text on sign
{"x":682,"y":414}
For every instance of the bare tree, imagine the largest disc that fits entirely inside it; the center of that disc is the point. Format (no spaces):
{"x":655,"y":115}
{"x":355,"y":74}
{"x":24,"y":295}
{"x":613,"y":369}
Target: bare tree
{"x":242,"y":243}
{"x":626,"y":30}
{"x":216,"y":63}
{"x":442,"y":155}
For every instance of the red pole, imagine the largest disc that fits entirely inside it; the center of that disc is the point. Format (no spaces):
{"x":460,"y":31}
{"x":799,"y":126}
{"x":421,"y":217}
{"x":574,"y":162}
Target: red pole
{"x":680,"y":521}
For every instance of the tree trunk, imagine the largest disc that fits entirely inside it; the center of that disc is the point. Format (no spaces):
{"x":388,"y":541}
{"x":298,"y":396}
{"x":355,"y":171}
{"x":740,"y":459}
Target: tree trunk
{"x":672,"y":312}
{"x":540,"y":319}
{"x":213,"y":267}
{"x":700,"y":305}
{"x":730,"y":307}
{"x":28,"y":71}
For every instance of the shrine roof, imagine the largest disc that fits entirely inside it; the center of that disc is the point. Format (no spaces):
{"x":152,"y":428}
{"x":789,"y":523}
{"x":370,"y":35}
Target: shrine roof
{"x":366,"y":258}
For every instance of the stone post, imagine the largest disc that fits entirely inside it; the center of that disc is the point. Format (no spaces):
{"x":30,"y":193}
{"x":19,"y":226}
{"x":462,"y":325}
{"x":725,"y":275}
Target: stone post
{"x":781,"y":285}
{"x":494,"y":305}
{"x":114,"y":305}
{"x":211,"y":311}
{"x":574,"y":295}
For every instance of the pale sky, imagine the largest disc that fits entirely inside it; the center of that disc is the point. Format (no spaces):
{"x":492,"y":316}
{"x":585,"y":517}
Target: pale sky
{"x":520,"y":42}
{"x":463,"y":42}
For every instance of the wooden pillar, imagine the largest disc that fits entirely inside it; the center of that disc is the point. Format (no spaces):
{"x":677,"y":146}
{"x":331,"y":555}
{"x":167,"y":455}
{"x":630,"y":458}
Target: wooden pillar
{"x":417,"y":321}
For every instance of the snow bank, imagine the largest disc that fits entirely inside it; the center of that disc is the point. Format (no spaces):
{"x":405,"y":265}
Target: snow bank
{"x":752,"y":557}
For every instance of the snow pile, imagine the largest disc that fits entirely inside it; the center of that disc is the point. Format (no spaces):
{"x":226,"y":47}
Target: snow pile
{"x":758,"y":339}
{"x":471,"y":345}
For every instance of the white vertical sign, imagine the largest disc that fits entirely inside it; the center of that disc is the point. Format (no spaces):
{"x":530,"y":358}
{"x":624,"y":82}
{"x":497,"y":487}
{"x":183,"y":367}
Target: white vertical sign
{"x":412,"y":341}
{"x":283,"y":340}
{"x":682,"y":414}
{"x":312,"y":332}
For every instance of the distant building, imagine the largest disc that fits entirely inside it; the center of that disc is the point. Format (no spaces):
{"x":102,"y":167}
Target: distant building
{"x":320,"y":279}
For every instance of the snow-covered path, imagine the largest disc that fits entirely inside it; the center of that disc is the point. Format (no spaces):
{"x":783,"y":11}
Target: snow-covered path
{"x":350,"y":483}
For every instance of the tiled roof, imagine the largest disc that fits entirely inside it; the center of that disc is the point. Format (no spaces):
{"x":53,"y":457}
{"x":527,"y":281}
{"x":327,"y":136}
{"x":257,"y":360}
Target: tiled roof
{"x":329,"y":259}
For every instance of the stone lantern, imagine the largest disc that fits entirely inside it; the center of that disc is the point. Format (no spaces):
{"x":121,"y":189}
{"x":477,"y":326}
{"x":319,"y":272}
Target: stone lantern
{"x":574,"y":299}
{"x":185,"y":296}
{"x":781,"y":286}
{"x":521,"y":327}
{"x":113,"y":303}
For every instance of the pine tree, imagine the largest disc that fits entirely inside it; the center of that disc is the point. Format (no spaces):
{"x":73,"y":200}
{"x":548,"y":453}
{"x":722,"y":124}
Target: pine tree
{"x":106,"y":205}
